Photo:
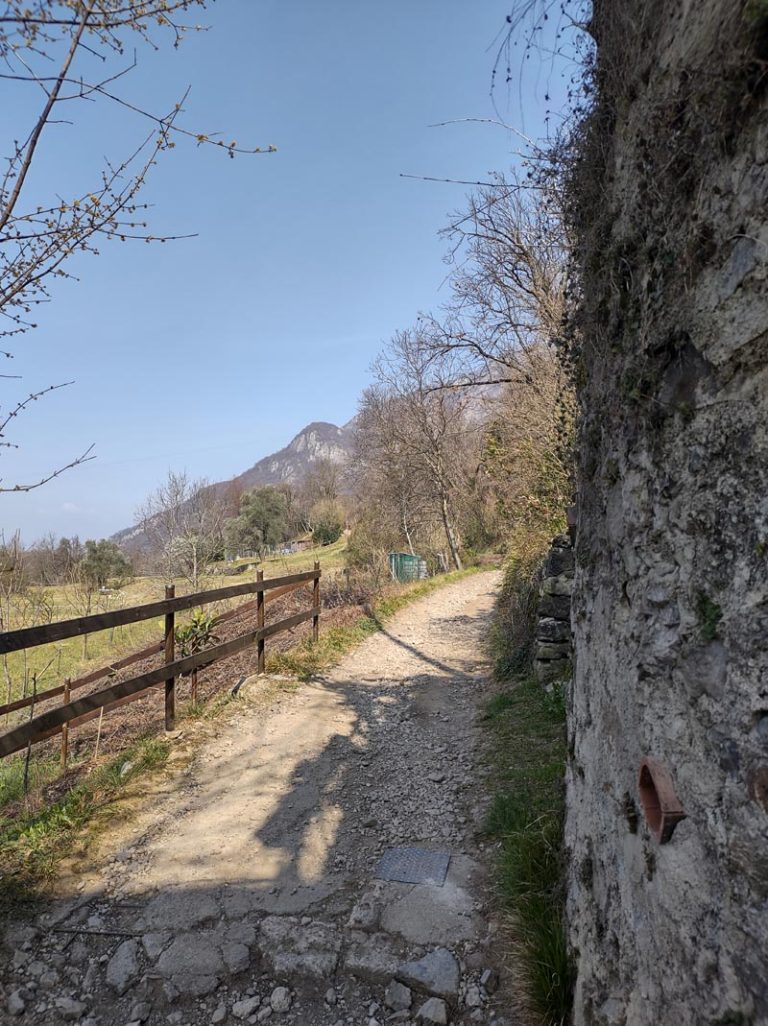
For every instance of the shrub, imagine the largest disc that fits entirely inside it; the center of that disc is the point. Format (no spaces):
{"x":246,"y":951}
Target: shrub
{"x":328,"y":522}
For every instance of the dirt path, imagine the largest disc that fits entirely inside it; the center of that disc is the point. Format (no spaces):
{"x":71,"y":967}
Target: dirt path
{"x":253,"y":890}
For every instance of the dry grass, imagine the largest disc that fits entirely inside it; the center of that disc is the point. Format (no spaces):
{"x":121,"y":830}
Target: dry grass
{"x":331,"y":558}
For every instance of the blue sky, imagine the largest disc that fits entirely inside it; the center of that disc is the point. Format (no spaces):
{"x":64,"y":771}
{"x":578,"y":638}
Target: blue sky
{"x":208,"y":353}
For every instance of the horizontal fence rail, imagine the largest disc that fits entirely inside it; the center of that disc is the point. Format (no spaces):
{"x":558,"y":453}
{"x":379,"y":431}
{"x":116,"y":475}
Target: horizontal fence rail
{"x":80,"y":710}
{"x":32,"y":637}
{"x":136,"y":657}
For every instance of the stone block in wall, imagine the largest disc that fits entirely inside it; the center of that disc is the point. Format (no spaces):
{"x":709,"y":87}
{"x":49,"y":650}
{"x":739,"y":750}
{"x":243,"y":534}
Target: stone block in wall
{"x":550,"y":629}
{"x":560,"y":559}
{"x":561,"y":585}
{"x":557,"y":606}
{"x":553,"y":650}
{"x":547,"y":671}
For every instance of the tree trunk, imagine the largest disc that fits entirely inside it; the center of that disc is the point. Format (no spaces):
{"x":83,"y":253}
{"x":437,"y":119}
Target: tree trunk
{"x":450,"y":532}
{"x":408,"y":535}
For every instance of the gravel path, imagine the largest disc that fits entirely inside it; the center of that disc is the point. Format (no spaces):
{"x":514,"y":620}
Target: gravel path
{"x":251,"y":891}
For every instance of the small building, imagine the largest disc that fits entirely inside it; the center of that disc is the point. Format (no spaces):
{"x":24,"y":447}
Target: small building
{"x":405,"y":567}
{"x":302,"y":544}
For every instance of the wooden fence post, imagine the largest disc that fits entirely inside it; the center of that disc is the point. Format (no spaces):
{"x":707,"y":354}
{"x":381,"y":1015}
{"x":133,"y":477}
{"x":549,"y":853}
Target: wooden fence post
{"x":29,"y":746}
{"x":98,"y":734}
{"x":316,"y":602}
{"x":260,"y":623}
{"x":65,"y":731}
{"x":170,"y":684}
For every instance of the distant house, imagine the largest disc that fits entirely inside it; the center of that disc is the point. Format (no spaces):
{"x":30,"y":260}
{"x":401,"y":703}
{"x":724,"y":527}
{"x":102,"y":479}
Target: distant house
{"x":300,"y":544}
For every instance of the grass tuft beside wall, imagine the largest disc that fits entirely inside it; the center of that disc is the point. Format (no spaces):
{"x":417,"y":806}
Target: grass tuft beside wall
{"x":527,"y":729}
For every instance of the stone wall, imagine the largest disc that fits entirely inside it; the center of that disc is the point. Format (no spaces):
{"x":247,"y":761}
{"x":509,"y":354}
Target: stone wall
{"x":553,"y":650}
{"x":671,"y":591}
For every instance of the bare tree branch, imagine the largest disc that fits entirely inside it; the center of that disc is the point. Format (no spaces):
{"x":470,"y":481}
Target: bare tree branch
{"x":83,"y":458}
{"x":49,"y":45}
{"x":450,"y":181}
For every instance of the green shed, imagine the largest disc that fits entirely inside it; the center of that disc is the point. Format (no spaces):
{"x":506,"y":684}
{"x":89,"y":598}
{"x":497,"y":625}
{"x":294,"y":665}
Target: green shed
{"x":405,"y":567}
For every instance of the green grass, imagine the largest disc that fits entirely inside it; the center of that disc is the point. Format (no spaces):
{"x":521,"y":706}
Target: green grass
{"x":41,"y":771}
{"x":756,"y":12}
{"x":527,"y":731}
{"x":710,"y":614}
{"x":32,"y":844}
{"x":310,"y":657}
{"x":331,"y":557}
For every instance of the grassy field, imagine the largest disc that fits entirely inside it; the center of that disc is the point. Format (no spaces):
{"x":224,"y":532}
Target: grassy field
{"x":331,"y":558}
{"x":48,"y":665}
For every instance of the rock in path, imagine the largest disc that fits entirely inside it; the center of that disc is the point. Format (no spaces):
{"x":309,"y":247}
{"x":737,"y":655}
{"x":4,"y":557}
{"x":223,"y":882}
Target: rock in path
{"x":280,"y":999}
{"x":437,"y":973}
{"x":307,"y":950}
{"x":123,"y":967}
{"x":434,"y":1012}
{"x":398,"y":997}
{"x":242,"y":1009}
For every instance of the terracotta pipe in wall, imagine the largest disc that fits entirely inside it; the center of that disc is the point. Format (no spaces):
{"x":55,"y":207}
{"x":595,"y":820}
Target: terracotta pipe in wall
{"x":661,"y":805}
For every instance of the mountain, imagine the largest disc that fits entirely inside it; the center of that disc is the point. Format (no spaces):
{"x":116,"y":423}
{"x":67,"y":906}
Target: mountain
{"x":317,"y":441}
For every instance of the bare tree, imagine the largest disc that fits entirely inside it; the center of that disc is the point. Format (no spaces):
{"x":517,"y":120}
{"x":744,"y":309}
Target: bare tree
{"x":390,"y":488}
{"x":297,"y":511}
{"x":322,"y":481}
{"x":81,"y":594}
{"x":184,"y":523}
{"x":471,"y":416}
{"x":424,"y":432}
{"x":14,"y":586}
{"x":21,"y":605}
{"x":504,"y":328}
{"x":509,"y":252}
{"x":71,"y":54}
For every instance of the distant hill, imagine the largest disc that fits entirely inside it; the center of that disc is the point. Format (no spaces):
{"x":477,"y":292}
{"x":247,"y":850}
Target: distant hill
{"x":317,"y":441}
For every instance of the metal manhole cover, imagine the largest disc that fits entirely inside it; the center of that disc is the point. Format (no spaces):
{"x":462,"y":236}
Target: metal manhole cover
{"x":413,"y":865}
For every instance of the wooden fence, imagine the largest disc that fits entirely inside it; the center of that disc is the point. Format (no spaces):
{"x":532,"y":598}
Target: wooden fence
{"x":77,"y":711}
